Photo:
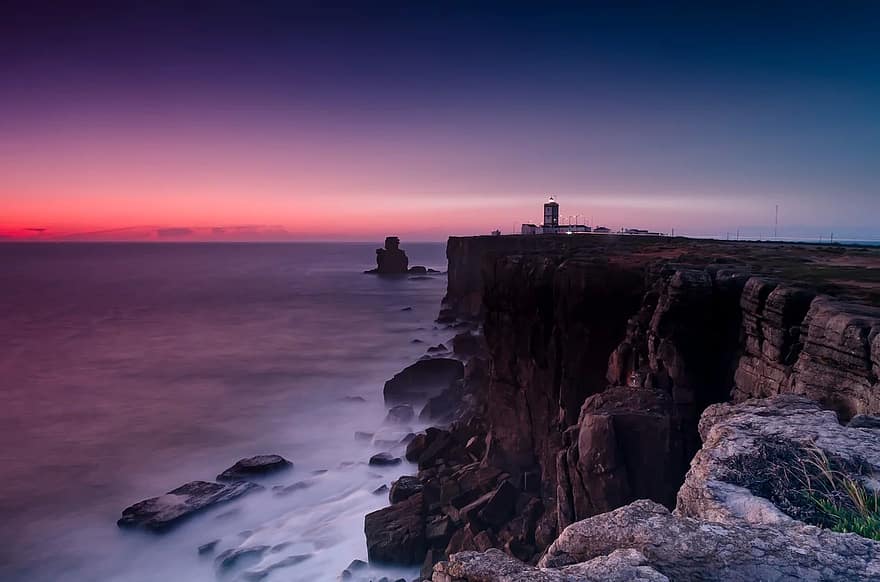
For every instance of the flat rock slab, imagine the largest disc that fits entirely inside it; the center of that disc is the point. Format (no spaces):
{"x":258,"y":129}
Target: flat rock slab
{"x":684,"y":549}
{"x":163,"y":512}
{"x":496,"y":566}
{"x":254,"y":467}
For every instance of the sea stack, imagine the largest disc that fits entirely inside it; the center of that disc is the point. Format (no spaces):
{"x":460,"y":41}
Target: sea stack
{"x":391,"y":260}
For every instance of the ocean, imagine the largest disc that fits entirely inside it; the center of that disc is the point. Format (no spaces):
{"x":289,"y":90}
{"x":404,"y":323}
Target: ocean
{"x":127,"y":370}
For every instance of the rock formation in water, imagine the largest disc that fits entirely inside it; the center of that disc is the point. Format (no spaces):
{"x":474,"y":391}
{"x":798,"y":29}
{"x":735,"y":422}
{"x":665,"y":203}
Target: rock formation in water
{"x":391,"y":260}
{"x":584,"y":390}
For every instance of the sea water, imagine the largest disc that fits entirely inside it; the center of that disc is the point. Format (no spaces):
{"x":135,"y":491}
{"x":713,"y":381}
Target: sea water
{"x":127,"y":370}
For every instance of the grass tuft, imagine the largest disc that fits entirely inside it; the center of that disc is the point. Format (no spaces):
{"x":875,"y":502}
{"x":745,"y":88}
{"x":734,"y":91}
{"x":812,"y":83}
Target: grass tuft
{"x":845,"y":504}
{"x":808,"y":485}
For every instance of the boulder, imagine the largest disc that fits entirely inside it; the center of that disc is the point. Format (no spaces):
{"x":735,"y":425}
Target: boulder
{"x":422,"y":380}
{"x":496,"y":566}
{"x":384,"y":460}
{"x":163,"y":512}
{"x":684,"y":548}
{"x":404,"y":488}
{"x":254,"y":467}
{"x":396,"y":534}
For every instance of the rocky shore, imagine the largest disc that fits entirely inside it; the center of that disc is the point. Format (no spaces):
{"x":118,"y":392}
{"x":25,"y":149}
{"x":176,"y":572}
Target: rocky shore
{"x":634,"y":408}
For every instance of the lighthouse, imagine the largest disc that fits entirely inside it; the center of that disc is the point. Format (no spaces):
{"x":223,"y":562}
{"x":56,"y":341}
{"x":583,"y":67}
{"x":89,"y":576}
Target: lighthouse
{"x":551,"y":213}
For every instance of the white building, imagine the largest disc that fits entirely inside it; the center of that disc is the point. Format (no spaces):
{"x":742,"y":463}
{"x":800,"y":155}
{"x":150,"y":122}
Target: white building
{"x":551,"y":222}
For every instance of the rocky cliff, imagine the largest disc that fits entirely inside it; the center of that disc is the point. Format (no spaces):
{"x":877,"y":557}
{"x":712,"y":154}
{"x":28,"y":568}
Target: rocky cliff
{"x":604,"y":351}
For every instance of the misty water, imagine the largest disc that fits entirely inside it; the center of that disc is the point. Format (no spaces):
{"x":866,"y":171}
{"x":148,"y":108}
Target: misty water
{"x":127,"y":370}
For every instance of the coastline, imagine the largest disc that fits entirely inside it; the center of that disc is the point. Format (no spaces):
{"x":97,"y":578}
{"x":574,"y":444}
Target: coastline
{"x":646,"y":334}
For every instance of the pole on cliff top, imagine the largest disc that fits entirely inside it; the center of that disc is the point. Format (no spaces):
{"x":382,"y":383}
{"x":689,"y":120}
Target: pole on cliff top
{"x":776,"y":223}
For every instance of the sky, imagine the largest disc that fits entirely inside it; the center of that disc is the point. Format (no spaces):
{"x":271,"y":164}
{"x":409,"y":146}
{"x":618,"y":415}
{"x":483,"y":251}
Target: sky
{"x":323,"y":120}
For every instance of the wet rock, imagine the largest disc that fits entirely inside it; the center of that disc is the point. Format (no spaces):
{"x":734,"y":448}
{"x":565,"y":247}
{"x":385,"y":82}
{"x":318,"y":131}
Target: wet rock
{"x":165,"y":511}
{"x":354,"y":399}
{"x":257,"y":466}
{"x":685,"y":548}
{"x":437,"y":349}
{"x":404,"y":488}
{"x":422,"y":380}
{"x":396,"y":534}
{"x":381,"y":490}
{"x":418,"y":270}
{"x":406,"y":309}
{"x":363,"y":436}
{"x":384,"y":460}
{"x":400,"y":414}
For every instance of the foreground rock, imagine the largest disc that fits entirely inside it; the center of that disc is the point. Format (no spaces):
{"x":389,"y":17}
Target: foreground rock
{"x":422,"y":380}
{"x":257,"y":466}
{"x":496,"y":566}
{"x":755,"y":454}
{"x":683,"y":548}
{"x":163,"y":512}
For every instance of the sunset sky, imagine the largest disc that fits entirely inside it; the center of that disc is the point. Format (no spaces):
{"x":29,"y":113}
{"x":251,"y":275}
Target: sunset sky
{"x":349,"y":121}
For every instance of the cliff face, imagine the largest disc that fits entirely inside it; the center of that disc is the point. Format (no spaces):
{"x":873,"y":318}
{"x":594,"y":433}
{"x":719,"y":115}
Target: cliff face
{"x":597,"y":357}
{"x":795,"y":342}
{"x":604,"y":351}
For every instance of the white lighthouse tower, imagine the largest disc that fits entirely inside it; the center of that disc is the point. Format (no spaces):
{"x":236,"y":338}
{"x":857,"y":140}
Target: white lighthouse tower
{"x":551,"y":213}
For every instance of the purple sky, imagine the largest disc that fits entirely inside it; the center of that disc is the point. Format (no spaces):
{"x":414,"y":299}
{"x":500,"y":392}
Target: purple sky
{"x":323,"y":120}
